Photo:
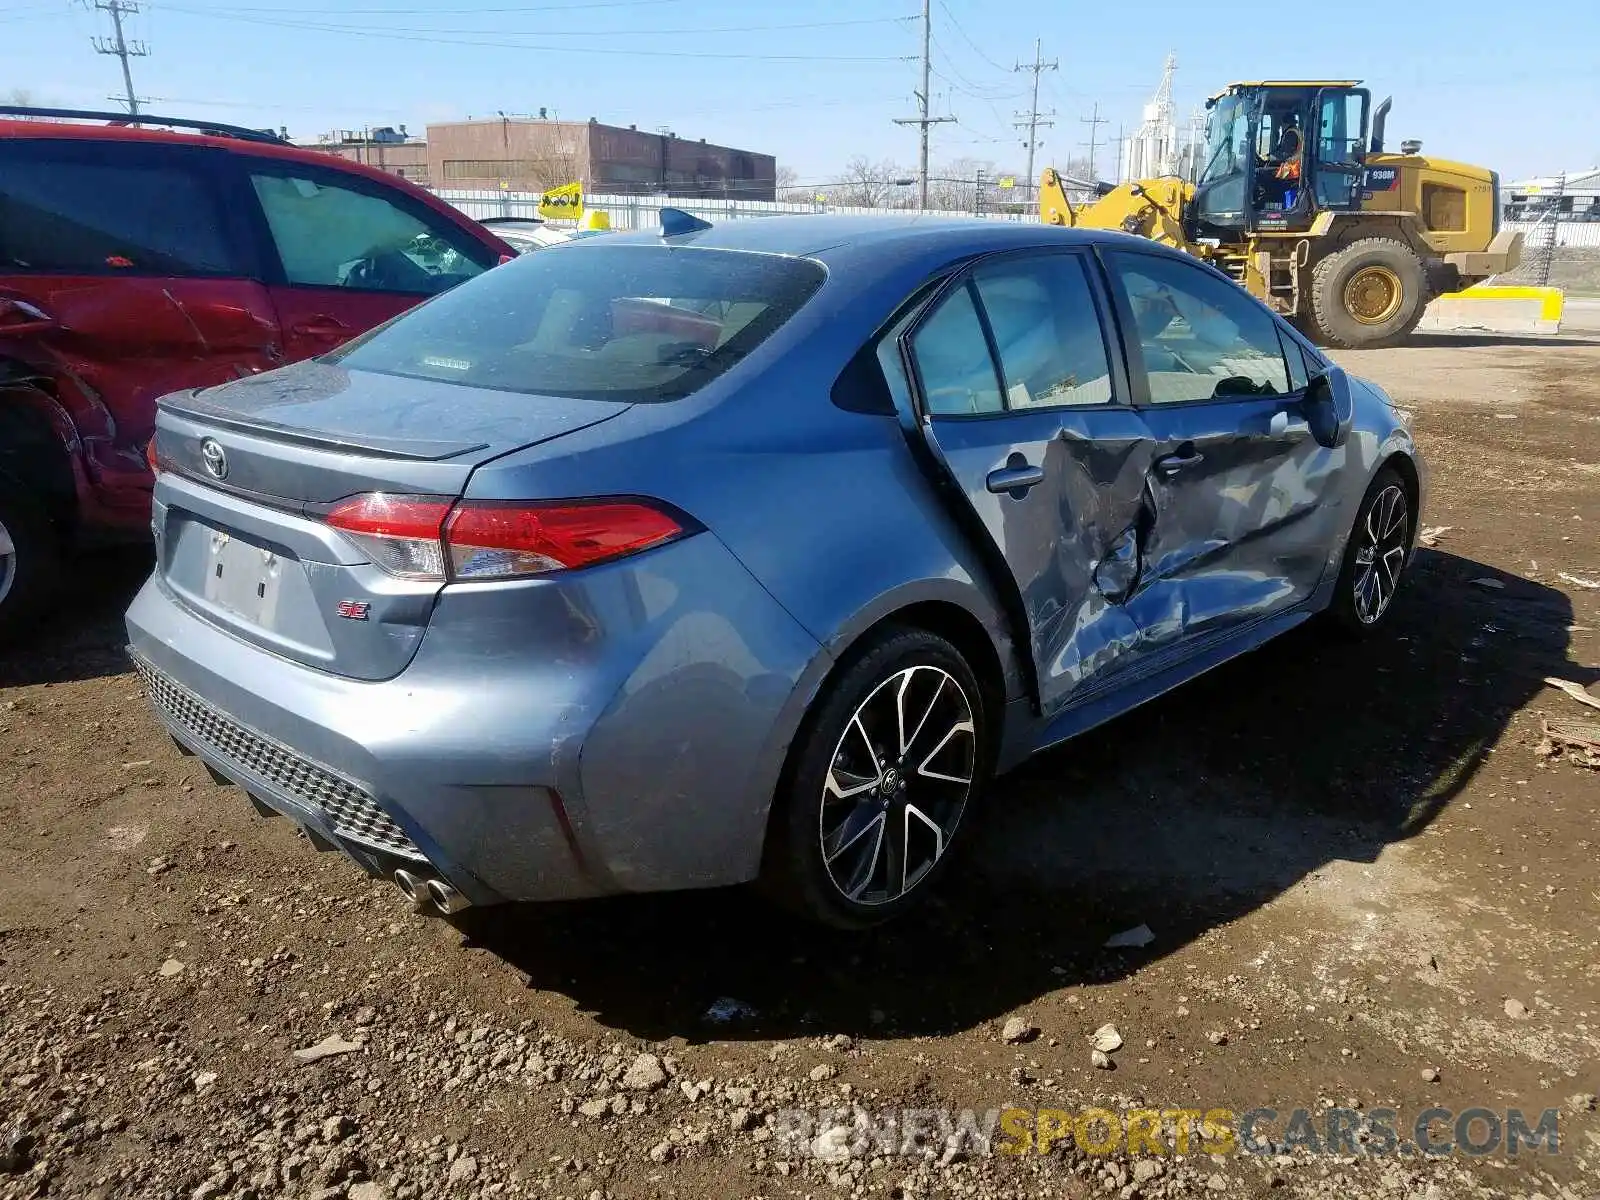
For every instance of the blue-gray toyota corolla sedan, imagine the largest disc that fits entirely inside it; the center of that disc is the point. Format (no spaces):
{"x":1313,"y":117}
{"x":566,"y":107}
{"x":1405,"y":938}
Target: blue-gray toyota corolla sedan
{"x":712,"y":555}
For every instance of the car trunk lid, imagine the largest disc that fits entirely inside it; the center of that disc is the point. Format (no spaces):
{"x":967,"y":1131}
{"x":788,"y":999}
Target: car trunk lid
{"x":250,"y":471}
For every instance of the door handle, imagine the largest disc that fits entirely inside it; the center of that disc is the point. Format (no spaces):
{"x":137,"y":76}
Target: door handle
{"x":1014,"y":479}
{"x":1171,"y":464}
{"x":320,"y":326}
{"x":1282,"y":424}
{"x":19,"y":317}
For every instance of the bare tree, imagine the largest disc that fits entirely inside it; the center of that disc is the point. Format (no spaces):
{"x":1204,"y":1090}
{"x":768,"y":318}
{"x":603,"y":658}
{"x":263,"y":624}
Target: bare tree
{"x":19,"y":96}
{"x":953,"y":187}
{"x":867,"y":184}
{"x":788,"y":186}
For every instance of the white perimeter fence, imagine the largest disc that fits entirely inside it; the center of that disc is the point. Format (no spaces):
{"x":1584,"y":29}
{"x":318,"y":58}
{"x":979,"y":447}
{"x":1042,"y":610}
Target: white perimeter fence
{"x":639,"y":212}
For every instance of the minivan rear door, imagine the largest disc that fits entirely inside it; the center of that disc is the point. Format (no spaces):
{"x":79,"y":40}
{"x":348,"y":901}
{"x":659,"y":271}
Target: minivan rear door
{"x":138,"y":278}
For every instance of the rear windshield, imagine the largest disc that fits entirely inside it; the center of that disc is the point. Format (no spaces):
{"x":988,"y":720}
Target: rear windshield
{"x":591,"y":321}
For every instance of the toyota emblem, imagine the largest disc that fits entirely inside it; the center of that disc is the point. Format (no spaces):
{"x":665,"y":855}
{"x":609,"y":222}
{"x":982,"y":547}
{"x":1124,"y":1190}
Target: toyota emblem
{"x":214,"y":457}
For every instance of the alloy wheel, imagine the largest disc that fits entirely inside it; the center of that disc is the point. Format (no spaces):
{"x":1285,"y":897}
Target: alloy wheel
{"x":899,"y":781}
{"x":1380,"y":554}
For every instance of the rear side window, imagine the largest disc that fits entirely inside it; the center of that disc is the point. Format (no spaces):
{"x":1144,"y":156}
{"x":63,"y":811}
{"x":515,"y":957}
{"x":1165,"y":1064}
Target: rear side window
{"x":953,"y":358}
{"x":107,"y":210}
{"x":627,"y":323}
{"x":1046,"y":330}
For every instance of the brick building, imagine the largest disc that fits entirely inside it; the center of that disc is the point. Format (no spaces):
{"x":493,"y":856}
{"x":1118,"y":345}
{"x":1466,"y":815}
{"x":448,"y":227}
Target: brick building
{"x":531,"y":155}
{"x":387,"y":149}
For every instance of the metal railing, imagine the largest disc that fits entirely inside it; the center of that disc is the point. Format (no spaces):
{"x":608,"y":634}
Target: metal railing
{"x":639,"y":212}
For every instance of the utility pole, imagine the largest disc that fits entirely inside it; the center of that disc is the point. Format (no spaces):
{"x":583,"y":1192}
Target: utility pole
{"x":120,"y":46}
{"x":1094,"y":124}
{"x":1034,"y":118}
{"x":922,"y":119}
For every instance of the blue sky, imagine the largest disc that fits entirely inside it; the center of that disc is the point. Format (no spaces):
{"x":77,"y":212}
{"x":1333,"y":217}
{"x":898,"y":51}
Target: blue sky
{"x":1516,"y":89}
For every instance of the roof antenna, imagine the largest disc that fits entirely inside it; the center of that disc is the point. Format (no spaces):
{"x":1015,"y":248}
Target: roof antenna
{"x":675,"y":223}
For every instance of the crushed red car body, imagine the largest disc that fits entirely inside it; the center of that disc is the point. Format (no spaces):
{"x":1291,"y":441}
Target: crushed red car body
{"x":140,"y":261}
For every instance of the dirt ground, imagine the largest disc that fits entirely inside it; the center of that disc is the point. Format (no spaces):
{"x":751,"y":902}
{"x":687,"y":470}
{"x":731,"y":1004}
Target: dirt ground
{"x":1369,"y":887}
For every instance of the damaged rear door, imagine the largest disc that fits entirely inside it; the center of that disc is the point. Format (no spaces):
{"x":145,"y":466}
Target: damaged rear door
{"x":1025,"y":409}
{"x":139,"y":279}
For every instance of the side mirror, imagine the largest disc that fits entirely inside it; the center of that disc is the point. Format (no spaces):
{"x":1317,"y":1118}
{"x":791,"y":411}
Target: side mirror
{"x":1330,"y":409}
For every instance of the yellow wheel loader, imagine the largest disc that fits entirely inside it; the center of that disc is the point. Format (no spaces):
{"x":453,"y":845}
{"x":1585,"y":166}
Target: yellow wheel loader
{"x":1300,"y":204}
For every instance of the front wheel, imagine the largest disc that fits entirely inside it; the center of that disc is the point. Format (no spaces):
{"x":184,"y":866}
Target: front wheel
{"x":1375,"y":558}
{"x":1369,"y":294}
{"x":29,"y":559}
{"x":886,"y":768}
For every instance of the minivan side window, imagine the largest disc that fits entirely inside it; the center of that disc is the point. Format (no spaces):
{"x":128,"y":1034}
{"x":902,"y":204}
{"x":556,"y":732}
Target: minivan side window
{"x":100,"y":209}
{"x":1201,"y":336}
{"x":331,"y":234}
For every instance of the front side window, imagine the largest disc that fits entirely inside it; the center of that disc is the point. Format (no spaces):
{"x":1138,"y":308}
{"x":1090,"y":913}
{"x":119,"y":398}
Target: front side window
{"x":626,"y":323}
{"x":333,"y":235}
{"x":1200,"y":336}
{"x":101,"y":210}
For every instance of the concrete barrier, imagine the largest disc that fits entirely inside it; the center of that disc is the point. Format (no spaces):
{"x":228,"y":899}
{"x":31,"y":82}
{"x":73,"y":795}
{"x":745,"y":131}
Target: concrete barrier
{"x":1535,"y":310}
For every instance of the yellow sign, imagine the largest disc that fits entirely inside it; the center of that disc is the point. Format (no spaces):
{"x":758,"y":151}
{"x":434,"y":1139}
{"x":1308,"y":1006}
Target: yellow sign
{"x":564,"y":203}
{"x":1008,"y":181}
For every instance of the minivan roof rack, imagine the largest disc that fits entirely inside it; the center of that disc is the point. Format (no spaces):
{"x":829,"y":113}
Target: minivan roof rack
{"x":211,"y":127}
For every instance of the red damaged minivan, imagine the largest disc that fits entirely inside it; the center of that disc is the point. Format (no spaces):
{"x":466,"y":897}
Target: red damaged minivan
{"x":138,"y":261}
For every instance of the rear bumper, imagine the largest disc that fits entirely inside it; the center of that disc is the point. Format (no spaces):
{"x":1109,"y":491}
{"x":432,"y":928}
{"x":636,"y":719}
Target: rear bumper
{"x":633,"y":746}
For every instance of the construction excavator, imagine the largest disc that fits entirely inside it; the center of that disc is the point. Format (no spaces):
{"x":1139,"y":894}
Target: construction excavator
{"x":1296,"y":198}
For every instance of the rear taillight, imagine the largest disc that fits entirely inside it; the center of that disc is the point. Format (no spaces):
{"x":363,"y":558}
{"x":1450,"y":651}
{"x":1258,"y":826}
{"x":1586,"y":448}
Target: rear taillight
{"x":150,"y":456}
{"x":401,"y":534}
{"x":425,"y":537}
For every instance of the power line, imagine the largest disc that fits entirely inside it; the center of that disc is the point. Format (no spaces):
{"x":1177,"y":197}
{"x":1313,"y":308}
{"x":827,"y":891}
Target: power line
{"x":1034,"y":118}
{"x":979,"y":90}
{"x":976,"y":49}
{"x":589,"y":33}
{"x":923,"y":121}
{"x":436,"y":39}
{"x":433,"y":10}
{"x":119,"y":45}
{"x":1094,"y":124}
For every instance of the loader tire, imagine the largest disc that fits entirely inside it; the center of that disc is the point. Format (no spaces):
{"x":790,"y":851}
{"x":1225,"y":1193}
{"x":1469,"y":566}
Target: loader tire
{"x":1369,"y":294}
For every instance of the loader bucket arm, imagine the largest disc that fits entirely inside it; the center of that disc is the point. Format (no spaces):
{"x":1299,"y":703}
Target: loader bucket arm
{"x":1151,"y":208}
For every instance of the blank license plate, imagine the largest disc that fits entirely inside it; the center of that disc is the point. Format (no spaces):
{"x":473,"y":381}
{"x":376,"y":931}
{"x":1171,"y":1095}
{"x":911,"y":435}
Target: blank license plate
{"x":243,"y":578}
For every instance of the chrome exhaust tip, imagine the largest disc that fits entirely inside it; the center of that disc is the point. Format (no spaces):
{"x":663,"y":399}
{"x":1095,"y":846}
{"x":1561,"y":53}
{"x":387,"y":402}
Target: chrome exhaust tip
{"x":445,"y":898}
{"x":415,"y":889}
{"x":430,"y":895}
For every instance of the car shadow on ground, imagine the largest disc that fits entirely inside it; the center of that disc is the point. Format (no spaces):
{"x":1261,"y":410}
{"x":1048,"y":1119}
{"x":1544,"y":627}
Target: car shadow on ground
{"x":81,"y":635}
{"x":1184,"y":815}
{"x":1457,"y":341}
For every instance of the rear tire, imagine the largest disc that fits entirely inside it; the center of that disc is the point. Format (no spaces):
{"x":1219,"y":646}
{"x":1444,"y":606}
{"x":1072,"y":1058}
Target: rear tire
{"x":887,"y":768}
{"x":29,"y":559}
{"x":1375,"y":558}
{"x":1369,"y":294}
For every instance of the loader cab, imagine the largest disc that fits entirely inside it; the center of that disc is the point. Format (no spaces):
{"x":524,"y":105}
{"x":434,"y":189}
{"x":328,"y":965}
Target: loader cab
{"x":1277,"y":154}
